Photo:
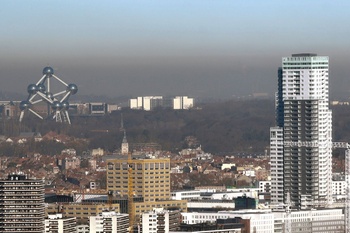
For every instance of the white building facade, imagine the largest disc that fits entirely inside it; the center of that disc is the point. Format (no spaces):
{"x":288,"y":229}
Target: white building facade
{"x":109,"y":222}
{"x":154,"y":221}
{"x":324,"y":220}
{"x":148,"y":103}
{"x":260,"y":222}
{"x":56,"y":223}
{"x":266,"y":221}
{"x":160,"y":220}
{"x":276,"y":167}
{"x":182,"y":102}
{"x":339,"y":187}
{"x":304,"y":119}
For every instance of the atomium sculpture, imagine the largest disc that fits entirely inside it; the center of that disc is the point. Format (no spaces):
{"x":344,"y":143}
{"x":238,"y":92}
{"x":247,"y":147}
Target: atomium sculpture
{"x":57,"y":103}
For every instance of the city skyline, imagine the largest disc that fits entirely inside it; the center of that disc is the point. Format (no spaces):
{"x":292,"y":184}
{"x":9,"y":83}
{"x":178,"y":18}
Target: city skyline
{"x":198,"y":48}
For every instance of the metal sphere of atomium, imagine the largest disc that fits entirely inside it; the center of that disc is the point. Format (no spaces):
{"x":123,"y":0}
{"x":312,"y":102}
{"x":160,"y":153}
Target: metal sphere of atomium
{"x":56,"y":105}
{"x":24,"y":105}
{"x":72,"y":88}
{"x":48,"y":71}
{"x":65,"y":105}
{"x":32,"y":89}
{"x":49,"y":95}
{"x":41,"y":87}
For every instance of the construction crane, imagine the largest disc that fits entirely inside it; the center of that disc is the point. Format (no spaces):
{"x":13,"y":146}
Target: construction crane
{"x":335,"y":145}
{"x":131,"y":211}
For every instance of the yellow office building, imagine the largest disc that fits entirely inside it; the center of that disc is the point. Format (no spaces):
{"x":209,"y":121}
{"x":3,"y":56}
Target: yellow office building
{"x":151,"y":182}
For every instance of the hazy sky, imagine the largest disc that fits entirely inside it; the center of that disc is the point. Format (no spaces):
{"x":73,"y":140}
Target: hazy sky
{"x":213,"y":48}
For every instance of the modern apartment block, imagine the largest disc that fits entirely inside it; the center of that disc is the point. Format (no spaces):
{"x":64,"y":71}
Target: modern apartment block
{"x":57,"y":223}
{"x":22,"y":206}
{"x":160,"y":220}
{"x":301,"y":143}
{"x":182,"y":102}
{"x":109,"y":222}
{"x":146,"y":102}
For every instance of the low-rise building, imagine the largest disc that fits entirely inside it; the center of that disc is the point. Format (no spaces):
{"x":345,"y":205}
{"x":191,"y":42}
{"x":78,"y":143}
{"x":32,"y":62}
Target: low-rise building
{"x":81,"y":211}
{"x":160,"y":220}
{"x":109,"y":222}
{"x":56,"y":223}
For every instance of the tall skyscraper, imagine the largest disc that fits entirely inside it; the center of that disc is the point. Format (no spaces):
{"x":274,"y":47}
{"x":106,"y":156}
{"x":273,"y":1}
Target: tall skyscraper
{"x":22,"y":206}
{"x":301,"y":143}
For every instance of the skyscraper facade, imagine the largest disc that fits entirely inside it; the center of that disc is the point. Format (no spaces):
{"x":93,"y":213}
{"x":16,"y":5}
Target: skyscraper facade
{"x":22,"y":206}
{"x":301,"y":143}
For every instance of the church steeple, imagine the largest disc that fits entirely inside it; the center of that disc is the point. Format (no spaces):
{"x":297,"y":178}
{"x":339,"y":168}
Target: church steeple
{"x":125,"y":144}
{"x":124,"y":138}
{"x":121,"y":122}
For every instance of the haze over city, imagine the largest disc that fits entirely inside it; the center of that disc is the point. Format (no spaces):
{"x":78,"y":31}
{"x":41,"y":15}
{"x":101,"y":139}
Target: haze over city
{"x":201,"y":48}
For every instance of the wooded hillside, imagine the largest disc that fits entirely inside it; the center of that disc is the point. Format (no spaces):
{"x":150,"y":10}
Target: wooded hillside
{"x":232,"y":126}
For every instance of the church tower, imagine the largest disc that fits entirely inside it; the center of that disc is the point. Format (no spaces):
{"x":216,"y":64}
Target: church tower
{"x":125,"y":145}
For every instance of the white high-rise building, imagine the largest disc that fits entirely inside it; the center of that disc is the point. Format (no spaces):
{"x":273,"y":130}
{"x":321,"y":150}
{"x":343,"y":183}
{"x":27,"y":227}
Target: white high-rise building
{"x":301,"y":144}
{"x":182,"y":102}
{"x":149,"y":103}
{"x":146,"y":102}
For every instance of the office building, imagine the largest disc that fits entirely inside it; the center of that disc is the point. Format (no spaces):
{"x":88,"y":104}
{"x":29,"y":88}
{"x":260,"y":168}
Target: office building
{"x":81,"y":211}
{"x":151,"y":178}
{"x":22,"y":206}
{"x":151,"y":183}
{"x":305,"y":221}
{"x":261,"y":221}
{"x":266,"y":221}
{"x":301,"y":142}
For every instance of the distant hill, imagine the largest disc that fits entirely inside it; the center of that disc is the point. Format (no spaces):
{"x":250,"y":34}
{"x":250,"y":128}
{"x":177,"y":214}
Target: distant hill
{"x":221,"y":127}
